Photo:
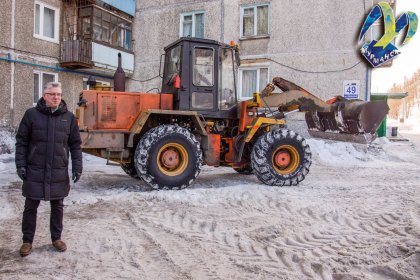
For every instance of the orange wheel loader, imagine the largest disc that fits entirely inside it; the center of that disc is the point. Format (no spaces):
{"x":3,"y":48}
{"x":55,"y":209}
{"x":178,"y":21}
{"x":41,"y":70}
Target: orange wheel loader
{"x":165,"y":138}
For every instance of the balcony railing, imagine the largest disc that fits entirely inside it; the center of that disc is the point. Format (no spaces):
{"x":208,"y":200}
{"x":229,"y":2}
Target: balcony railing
{"x":76,"y":54}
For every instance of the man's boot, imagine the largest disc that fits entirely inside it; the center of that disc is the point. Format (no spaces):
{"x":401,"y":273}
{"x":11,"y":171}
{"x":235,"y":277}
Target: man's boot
{"x":25,"y":249}
{"x":59,"y":245}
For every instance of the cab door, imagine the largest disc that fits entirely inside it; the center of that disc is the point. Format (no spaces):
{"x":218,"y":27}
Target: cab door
{"x":203,"y":82}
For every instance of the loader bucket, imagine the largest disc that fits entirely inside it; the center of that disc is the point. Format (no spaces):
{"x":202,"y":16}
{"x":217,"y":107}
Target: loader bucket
{"x":350,"y":121}
{"x":337,"y":119}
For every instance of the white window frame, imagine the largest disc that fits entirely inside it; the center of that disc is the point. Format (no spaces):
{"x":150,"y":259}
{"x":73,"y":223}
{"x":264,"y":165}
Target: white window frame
{"x":181,"y":22}
{"x":41,"y":21}
{"x":258,"y":68}
{"x":241,"y":27}
{"x":41,"y":83}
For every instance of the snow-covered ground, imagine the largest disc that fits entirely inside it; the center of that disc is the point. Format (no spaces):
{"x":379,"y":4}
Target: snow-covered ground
{"x":355,"y":216}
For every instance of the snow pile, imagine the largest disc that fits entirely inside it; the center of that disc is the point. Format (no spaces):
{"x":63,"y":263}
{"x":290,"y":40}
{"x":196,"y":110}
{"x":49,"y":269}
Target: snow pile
{"x":347,"y":154}
{"x":7,"y":141}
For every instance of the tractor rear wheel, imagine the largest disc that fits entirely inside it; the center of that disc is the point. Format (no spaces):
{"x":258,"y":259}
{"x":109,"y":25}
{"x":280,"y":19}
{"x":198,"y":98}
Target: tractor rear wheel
{"x":281,"y":157}
{"x":168,"y":157}
{"x":130,"y":169}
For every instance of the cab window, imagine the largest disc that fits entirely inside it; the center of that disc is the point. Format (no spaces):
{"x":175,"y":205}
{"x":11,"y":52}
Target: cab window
{"x":203,"y":67}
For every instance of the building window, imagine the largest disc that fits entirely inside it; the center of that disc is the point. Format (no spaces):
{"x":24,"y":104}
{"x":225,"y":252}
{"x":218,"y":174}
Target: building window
{"x":40,"y":79}
{"x":192,"y":25}
{"x":254,"y":20}
{"x":46,"y":23}
{"x":252,"y":80}
{"x":106,"y":28}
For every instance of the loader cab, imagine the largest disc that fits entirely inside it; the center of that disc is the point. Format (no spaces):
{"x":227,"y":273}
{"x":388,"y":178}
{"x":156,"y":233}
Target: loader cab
{"x":201,"y":75}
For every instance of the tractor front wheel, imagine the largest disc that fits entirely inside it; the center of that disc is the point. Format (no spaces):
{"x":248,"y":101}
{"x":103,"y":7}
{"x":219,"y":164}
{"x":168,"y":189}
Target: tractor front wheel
{"x":281,"y":157}
{"x":168,"y":157}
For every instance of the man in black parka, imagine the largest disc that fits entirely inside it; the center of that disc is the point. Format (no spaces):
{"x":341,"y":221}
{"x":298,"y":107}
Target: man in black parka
{"x":46,"y":135}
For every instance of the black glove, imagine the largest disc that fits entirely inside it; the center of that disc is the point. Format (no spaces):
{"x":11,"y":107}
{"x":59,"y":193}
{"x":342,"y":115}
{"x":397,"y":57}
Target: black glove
{"x":76,"y":176}
{"x":21,"y":171}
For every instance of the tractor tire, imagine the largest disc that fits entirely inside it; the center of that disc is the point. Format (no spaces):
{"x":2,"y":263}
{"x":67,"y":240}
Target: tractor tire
{"x":281,"y":157}
{"x":130,"y":169}
{"x":168,"y":157}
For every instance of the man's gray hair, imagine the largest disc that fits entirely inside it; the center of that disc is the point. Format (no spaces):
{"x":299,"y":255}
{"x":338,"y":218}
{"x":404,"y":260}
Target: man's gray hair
{"x":50,"y":85}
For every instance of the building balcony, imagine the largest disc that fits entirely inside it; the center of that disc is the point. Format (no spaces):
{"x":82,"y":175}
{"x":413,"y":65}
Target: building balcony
{"x":76,"y":54}
{"x":106,"y":58}
{"x":93,"y":35}
{"x":94,"y":57}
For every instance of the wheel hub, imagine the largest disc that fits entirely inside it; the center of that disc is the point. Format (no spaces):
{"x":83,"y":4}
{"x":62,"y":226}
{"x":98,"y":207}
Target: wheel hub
{"x":285,"y":159}
{"x":282,"y":159}
{"x":170,"y":159}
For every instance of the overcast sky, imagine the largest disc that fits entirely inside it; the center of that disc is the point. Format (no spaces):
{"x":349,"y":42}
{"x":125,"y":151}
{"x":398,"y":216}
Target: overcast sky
{"x":407,"y":62}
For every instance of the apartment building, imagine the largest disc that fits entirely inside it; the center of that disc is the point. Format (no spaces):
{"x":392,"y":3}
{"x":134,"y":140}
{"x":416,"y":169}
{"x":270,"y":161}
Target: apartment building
{"x":60,"y":40}
{"x":312,"y":43}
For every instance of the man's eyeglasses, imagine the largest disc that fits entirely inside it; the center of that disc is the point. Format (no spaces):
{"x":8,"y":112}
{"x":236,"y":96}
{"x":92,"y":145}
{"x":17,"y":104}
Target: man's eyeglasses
{"x":53,"y":94}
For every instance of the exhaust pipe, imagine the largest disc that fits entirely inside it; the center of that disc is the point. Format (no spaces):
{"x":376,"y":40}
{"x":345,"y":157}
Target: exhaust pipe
{"x":119,"y":76}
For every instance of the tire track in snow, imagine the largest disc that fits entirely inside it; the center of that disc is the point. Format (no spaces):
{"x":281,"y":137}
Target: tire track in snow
{"x":233,"y":244}
{"x":134,"y":252}
{"x":183,"y":248}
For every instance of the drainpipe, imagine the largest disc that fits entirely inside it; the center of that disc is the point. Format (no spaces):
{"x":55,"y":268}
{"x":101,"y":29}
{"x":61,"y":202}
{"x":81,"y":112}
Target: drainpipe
{"x":368,"y":70}
{"x":367,"y":83}
{"x":12,"y":65}
{"x":222,"y":20}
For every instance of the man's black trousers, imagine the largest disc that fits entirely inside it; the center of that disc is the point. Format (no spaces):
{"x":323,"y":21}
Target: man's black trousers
{"x":29,"y":219}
